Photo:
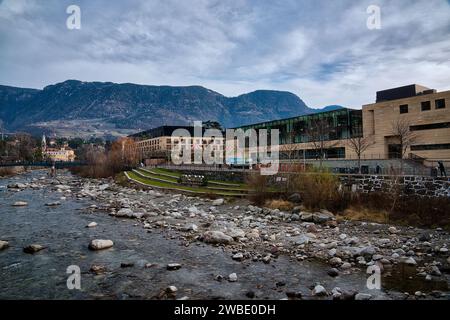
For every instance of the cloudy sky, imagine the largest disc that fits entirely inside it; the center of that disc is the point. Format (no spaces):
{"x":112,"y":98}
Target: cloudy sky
{"x":320,"y":50}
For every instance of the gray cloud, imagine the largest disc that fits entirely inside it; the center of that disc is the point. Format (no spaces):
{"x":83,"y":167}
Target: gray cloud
{"x":320,"y":50}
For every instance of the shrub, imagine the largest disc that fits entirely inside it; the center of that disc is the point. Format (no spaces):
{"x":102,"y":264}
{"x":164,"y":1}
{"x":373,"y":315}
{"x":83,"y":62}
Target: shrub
{"x":319,"y":189}
{"x":259,"y":185}
{"x":7,"y":171}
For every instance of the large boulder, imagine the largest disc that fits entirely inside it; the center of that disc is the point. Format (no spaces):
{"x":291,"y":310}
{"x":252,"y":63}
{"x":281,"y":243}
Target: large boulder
{"x":217,"y":237}
{"x":235,"y":233}
{"x":99,"y":244}
{"x":306,"y":216}
{"x":33,"y":248}
{"x":319,"y":291}
{"x":295,"y":198}
{"x":128,"y":213}
{"x":218,"y":202}
{"x":322,"y":216}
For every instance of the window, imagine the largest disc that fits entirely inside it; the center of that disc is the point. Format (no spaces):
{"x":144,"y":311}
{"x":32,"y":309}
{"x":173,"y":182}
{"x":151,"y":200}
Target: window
{"x":426,"y":105}
{"x":440,"y":103}
{"x":423,"y":147}
{"x":404,"y":108}
{"x":442,"y":125}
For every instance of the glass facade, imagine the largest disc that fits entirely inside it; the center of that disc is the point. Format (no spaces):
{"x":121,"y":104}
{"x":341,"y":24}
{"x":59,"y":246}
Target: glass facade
{"x":339,"y":124}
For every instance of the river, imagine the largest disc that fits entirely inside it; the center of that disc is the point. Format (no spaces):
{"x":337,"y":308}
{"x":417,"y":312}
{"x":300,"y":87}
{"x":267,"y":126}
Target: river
{"x":62,"y":229}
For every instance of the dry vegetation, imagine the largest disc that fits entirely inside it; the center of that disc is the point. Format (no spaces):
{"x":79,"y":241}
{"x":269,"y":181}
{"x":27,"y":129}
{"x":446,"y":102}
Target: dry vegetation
{"x":279,"y":204}
{"x":320,"y":189}
{"x":260,"y":186}
{"x":103,"y":164}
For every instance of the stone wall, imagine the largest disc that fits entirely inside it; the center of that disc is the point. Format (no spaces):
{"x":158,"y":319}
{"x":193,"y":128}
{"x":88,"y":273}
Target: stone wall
{"x":408,"y":185}
{"x":231,"y":176}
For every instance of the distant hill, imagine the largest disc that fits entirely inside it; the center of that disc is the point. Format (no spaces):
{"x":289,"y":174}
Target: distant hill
{"x":330,"y":108}
{"x":98,"y":108}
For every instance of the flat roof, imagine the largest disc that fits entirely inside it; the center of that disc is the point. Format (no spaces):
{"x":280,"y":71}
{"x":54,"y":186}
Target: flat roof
{"x":298,"y":117}
{"x":403,"y":92}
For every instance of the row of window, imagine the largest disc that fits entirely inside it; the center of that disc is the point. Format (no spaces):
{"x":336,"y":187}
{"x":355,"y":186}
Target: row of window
{"x":425,"y":105}
{"x":424,"y":147}
{"x":441,"y":125}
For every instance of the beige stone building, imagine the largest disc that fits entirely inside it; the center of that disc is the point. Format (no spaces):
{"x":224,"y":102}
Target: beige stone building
{"x":425,"y":113}
{"x":59,"y":154}
{"x":155,"y":145}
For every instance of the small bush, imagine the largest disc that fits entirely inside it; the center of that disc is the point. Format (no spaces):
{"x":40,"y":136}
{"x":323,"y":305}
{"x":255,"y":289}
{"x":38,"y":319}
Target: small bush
{"x":260,"y":185}
{"x":6,"y":171}
{"x":319,"y":189}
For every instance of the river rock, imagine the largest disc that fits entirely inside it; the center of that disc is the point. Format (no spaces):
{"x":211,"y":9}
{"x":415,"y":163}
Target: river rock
{"x":217,"y":237}
{"x":297,"y":209}
{"x":368,"y":251}
{"x":346,"y":265}
{"x":189,"y":227}
{"x":20,"y":204}
{"x":333,"y":272}
{"x":97,"y":269}
{"x":173,"y":266}
{"x":3,"y":245}
{"x":363,"y":296}
{"x":171,"y":289}
{"x":393,"y":230}
{"x":322,"y":217}
{"x":425,"y":237}
{"x":306,"y":216}
{"x":410,"y":261}
{"x":435,"y":271}
{"x":319,"y":291}
{"x":33,"y":248}
{"x":336,"y":262}
{"x":16,"y":186}
{"x":218,"y":202}
{"x":127,"y":264}
{"x":235,"y":233}
{"x":99,"y":244}
{"x":53,"y":204}
{"x":238,"y":256}
{"x":232,"y":277}
{"x":295,"y":198}
{"x":301,"y":239}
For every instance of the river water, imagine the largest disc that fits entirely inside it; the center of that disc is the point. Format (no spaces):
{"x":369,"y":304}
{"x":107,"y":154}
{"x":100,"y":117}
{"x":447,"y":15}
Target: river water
{"x":63,"y":231}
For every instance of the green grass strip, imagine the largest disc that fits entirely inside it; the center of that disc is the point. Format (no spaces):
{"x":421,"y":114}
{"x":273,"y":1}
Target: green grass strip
{"x":160,"y":184}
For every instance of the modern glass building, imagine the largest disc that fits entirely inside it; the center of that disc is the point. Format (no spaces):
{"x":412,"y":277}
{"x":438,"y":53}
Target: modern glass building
{"x":297,"y":134}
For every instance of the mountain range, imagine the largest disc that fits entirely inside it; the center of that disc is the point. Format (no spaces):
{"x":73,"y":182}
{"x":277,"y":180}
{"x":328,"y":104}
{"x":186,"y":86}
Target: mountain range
{"x":76,"y":108}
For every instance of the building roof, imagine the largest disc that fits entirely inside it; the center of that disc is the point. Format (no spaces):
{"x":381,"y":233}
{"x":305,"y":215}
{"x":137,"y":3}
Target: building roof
{"x":163,"y":131}
{"x":311,"y":115}
{"x":408,"y":91}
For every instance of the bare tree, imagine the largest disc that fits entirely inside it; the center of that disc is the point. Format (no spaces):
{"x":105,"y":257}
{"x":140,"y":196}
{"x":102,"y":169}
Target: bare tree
{"x":401,"y":131}
{"x":290,"y":148}
{"x":359,"y":145}
{"x":318,"y":134}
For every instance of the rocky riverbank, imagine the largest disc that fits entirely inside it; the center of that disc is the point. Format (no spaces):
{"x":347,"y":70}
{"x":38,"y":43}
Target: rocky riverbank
{"x":414,"y":263}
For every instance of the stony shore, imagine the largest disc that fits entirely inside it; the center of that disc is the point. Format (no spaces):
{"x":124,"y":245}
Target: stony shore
{"x":251,"y":234}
